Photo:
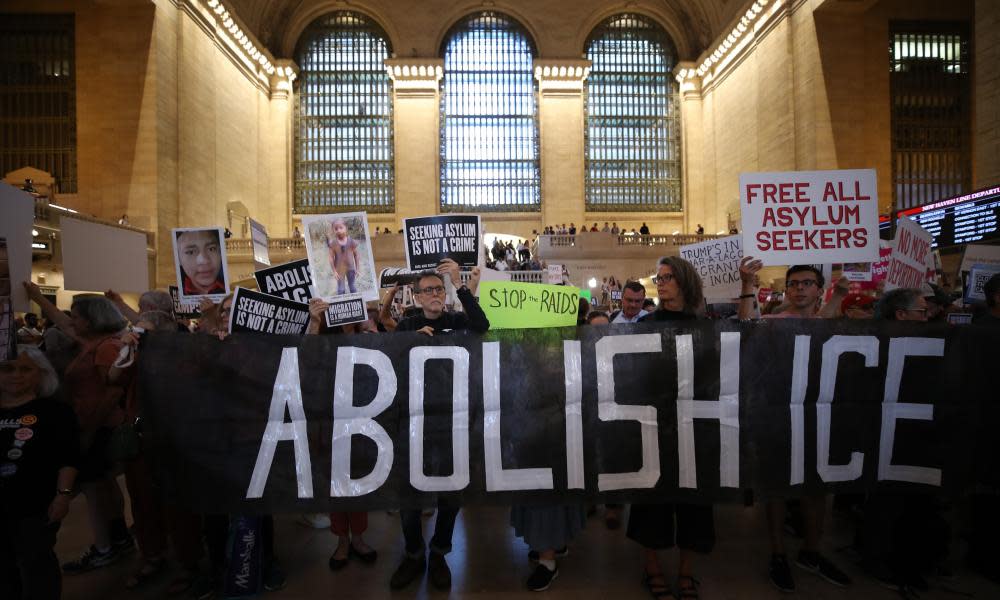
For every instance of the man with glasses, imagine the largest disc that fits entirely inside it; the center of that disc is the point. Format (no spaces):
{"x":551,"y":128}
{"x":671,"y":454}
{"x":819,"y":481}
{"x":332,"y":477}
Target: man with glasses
{"x":803,"y":289}
{"x":632,"y":298}
{"x":435,"y":320}
{"x":903,"y":304}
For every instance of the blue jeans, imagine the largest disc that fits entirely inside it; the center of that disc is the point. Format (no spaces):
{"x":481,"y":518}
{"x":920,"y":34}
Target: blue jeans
{"x":349,"y":283}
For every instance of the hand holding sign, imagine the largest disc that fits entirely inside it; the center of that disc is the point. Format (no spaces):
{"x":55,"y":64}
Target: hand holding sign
{"x":449,"y":268}
{"x":749,"y":267}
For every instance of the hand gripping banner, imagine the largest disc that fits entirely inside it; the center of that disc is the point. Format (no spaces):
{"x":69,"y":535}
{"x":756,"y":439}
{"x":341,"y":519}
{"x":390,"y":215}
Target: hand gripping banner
{"x":697,"y":412}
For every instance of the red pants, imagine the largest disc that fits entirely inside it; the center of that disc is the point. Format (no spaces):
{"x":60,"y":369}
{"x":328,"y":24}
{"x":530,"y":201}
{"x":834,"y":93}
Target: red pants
{"x":343,"y":522}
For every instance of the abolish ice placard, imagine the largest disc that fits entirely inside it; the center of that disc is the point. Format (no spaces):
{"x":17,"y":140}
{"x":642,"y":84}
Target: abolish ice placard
{"x":291,"y":280}
{"x":718,"y":263}
{"x":261,"y":313}
{"x":429,"y":240}
{"x":808,"y":217}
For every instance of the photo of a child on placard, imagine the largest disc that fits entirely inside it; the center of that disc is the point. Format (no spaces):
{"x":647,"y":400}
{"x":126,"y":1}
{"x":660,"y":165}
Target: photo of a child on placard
{"x":200,"y":261}
{"x":340,"y":255}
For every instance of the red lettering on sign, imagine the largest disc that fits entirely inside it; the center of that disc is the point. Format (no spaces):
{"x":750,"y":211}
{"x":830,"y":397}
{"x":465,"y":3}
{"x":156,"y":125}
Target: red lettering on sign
{"x":750,"y":192}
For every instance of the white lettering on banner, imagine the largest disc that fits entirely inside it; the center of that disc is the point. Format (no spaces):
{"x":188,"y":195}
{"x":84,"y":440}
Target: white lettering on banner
{"x":609,"y":410}
{"x":867,"y":346}
{"x":800,"y":381}
{"x":726,"y":410}
{"x":286,"y":394}
{"x":892,"y":410}
{"x":350,"y":420}
{"x":574,"y":414}
{"x":459,"y":478}
{"x":498,"y":478}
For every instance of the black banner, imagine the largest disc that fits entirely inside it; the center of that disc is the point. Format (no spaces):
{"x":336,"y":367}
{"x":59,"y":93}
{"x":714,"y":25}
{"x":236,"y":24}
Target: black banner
{"x":429,"y":240}
{"x":262,"y":313}
{"x":291,"y":281}
{"x":693,"y":412}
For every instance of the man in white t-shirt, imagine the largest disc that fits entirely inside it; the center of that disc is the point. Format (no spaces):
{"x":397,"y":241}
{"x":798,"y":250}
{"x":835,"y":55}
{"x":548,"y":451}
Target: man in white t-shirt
{"x":632,"y":298}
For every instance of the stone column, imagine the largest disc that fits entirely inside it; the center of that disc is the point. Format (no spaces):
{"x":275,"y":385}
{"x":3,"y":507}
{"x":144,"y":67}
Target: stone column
{"x":561,"y":123}
{"x":278,"y":176}
{"x":416,"y":133}
{"x":693,"y":151}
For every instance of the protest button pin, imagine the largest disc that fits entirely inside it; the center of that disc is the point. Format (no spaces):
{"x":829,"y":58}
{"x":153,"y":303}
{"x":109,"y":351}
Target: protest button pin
{"x":23,"y":434}
{"x":18,"y":443}
{"x":29,"y":420}
{"x":15,"y":453}
{"x":7,"y":469}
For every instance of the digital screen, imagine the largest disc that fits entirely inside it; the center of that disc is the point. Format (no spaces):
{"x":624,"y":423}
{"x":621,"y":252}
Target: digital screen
{"x":885,"y":227}
{"x":964,"y":219}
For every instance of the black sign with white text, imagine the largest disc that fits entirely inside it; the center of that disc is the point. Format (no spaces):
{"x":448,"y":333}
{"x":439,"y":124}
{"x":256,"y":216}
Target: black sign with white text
{"x":183,"y":310}
{"x":699,"y":411}
{"x":261,"y":313}
{"x":291,"y":281}
{"x":429,"y":240}
{"x":346,"y":309}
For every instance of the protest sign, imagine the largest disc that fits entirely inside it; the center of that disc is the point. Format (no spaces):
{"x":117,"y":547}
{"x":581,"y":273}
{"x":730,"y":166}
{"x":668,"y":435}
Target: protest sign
{"x":806,"y":217}
{"x":261,"y":313}
{"x":183,"y":310}
{"x":516,"y":305}
{"x":959,"y":318}
{"x":8,"y":336}
{"x":908,"y":261}
{"x":200,"y":263}
{"x":346,"y":309}
{"x":978,"y":276}
{"x":258,"y":238}
{"x":858,"y":271}
{"x":291,"y":280}
{"x":491,"y":275}
{"x":429,"y":240}
{"x":394,"y":276}
{"x":340,"y":255}
{"x":17,"y":215}
{"x":718,"y":264}
{"x":100,"y":257}
{"x":616,"y":294}
{"x":554,"y":274}
{"x":979,"y":254}
{"x":693,"y":411}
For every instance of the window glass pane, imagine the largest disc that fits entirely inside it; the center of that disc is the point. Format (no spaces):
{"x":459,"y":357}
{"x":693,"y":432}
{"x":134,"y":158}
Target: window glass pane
{"x":489,"y":132}
{"x":633,"y":139}
{"x":38,"y":96}
{"x":931,"y":112}
{"x":343,"y":117}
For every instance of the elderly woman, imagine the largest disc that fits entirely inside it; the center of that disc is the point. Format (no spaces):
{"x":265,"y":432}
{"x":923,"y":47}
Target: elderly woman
{"x":39,"y":441}
{"x":95,"y":323}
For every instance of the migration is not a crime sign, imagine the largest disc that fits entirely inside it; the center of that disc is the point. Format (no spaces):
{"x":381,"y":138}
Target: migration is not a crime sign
{"x":429,"y":240}
{"x":517,"y":305}
{"x":810,"y":217}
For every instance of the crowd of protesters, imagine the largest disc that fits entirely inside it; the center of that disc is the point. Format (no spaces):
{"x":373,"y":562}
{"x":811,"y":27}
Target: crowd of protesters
{"x":69,"y":409}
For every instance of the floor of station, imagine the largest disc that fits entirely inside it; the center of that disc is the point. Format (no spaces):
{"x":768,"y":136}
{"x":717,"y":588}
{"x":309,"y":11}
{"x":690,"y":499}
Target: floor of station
{"x":489,"y":562}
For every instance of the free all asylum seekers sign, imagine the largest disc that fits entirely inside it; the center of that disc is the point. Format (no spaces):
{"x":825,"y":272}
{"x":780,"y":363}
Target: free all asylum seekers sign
{"x":810,"y":217}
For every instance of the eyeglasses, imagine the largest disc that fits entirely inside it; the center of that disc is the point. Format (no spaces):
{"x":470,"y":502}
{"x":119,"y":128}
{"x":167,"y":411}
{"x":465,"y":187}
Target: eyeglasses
{"x":433,"y":290}
{"x":665,"y":278}
{"x":923,"y":311}
{"x":801,"y":283}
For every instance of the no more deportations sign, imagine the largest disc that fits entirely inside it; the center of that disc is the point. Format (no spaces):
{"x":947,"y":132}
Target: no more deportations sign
{"x":810,"y":217}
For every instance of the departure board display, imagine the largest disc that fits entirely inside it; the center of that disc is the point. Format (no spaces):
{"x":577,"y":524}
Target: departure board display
{"x":961,"y":220}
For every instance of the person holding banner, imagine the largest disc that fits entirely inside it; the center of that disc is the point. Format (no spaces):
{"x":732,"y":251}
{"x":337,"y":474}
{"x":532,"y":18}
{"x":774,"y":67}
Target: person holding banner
{"x":41,"y":452}
{"x":691,"y":527}
{"x":804,"y":288}
{"x":433,"y":320}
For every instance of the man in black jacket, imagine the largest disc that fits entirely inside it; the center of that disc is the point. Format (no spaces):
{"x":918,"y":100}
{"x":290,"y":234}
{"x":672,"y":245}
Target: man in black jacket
{"x":435,"y":320}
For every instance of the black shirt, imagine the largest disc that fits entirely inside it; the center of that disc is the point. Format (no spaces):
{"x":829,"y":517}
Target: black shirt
{"x":473,"y":318}
{"x":36,"y":440}
{"x":668,"y":315}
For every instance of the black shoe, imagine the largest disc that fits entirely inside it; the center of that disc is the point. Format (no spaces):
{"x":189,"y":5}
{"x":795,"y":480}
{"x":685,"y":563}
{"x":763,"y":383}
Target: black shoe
{"x":123,"y":546}
{"x":781,"y":574}
{"x":816,"y":563}
{"x":90,"y":560}
{"x":560,"y":553}
{"x":365,"y":557}
{"x":274,"y":576}
{"x":439,"y":571}
{"x":407,"y":571}
{"x":542,"y":578}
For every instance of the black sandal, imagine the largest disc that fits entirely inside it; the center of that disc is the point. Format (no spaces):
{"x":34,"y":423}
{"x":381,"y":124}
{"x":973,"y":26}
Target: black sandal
{"x":688,"y":591}
{"x":659,"y":591}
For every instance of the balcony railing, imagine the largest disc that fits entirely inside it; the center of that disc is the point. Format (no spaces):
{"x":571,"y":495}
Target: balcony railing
{"x":631,"y":240}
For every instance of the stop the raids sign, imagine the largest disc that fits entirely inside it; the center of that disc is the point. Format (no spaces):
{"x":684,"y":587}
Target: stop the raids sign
{"x":810,"y":217}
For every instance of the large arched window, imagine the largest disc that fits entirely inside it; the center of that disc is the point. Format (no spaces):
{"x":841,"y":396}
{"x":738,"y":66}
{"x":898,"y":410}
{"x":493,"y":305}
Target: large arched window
{"x":343,"y":116}
{"x":489,"y":133}
{"x":633,"y":147}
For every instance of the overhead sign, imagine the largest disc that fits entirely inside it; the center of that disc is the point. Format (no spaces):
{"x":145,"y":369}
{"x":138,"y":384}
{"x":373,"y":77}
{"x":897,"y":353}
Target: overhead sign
{"x":960,"y":220}
{"x":260,"y":313}
{"x":429,"y":240}
{"x":291,"y":280}
{"x":810,"y":217}
{"x":516,"y":305}
{"x":718,"y":264}
{"x":99,"y":257}
{"x":908,"y":261}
